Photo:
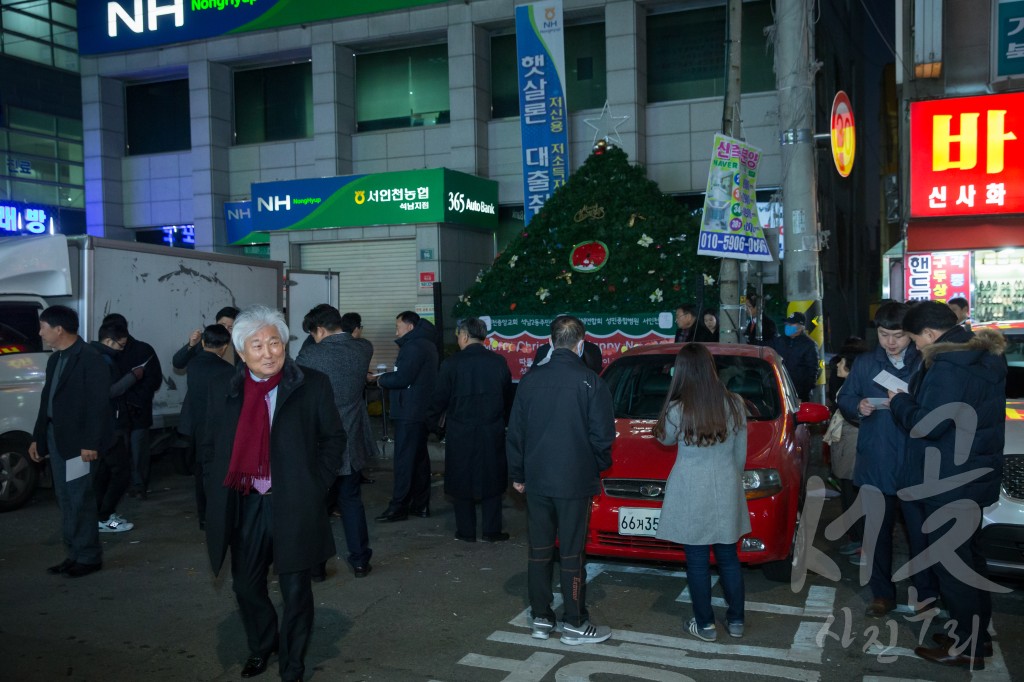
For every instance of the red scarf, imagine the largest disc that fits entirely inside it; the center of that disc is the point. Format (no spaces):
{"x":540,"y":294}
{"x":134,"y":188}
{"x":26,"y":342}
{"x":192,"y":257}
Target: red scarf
{"x":250,"y":455}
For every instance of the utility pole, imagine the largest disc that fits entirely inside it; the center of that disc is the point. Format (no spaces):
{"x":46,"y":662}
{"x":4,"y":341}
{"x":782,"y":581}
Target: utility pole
{"x":729,"y":270}
{"x":801,"y":267}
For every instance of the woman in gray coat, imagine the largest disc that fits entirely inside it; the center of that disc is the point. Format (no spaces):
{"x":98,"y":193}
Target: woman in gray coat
{"x":705,"y":506}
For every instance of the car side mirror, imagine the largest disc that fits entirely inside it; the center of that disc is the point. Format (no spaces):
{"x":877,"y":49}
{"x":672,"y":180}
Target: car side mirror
{"x":812,"y":413}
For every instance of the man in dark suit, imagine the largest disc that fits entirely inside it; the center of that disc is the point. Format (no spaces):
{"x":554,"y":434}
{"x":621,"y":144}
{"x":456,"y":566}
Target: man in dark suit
{"x":474,"y":394}
{"x":74,"y":425}
{"x":411,"y":386}
{"x":270,"y":448}
{"x":690,"y":327}
{"x":207,"y":368}
{"x":345,"y":360}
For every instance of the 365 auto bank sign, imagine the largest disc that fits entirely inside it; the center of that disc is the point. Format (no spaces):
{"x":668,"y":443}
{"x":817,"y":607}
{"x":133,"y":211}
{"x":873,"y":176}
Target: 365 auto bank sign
{"x":118,"y":25}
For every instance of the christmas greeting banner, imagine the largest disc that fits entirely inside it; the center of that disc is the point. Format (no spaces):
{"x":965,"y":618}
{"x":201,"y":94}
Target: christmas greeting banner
{"x":517,"y":337}
{"x":730,"y":227}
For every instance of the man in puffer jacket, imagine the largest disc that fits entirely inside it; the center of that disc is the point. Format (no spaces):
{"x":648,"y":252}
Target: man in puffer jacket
{"x":955,"y":415}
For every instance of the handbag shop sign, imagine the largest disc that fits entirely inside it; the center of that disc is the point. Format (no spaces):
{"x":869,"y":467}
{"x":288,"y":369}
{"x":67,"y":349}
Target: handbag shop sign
{"x":517,"y":337}
{"x":118,"y":25}
{"x":433,"y":195}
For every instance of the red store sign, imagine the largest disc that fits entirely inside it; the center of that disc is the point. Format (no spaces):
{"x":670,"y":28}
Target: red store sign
{"x":965,"y":156}
{"x":938,"y":276}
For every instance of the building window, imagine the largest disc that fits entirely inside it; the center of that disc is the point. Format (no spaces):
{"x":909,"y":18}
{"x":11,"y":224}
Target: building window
{"x":41,"y":31}
{"x":274,"y":103}
{"x":586,"y":82}
{"x":402,"y":88}
{"x":157,"y":117}
{"x":686,"y":53}
{"x":42,"y":159}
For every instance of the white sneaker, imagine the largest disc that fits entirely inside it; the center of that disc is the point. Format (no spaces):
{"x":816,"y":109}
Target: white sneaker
{"x":585,"y":633}
{"x":115,"y":524}
{"x":541,"y":628}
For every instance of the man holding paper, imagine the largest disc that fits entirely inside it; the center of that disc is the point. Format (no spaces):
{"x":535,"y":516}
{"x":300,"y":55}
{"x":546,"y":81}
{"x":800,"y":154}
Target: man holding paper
{"x":881,"y":449}
{"x":74,"y":425}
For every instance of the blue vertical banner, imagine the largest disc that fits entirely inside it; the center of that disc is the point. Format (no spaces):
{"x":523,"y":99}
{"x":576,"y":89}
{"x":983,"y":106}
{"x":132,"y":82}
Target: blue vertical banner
{"x":543,"y":110}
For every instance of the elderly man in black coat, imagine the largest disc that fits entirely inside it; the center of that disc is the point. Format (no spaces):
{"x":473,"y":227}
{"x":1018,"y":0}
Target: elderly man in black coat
{"x":474,"y":395}
{"x":271,"y":447}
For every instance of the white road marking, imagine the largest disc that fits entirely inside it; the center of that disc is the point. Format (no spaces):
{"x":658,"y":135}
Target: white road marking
{"x":670,"y":656}
{"x":535,"y":667}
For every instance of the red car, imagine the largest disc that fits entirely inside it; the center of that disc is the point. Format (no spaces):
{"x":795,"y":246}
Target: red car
{"x":624,"y":516}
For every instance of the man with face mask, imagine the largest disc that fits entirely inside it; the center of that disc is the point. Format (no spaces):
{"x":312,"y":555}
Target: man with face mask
{"x":881,"y":449}
{"x":799,"y":354}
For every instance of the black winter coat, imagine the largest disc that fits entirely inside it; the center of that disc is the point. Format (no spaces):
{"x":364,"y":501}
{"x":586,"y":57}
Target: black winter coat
{"x":474,"y":393}
{"x":204,"y":370}
{"x":800,"y":357}
{"x":412,"y":383}
{"x":140,"y":396}
{"x":306,"y":442}
{"x":81,"y":403}
{"x":561,"y":430}
{"x":961,"y":367}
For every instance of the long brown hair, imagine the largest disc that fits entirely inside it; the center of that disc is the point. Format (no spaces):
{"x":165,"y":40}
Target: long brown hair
{"x":706,"y":406}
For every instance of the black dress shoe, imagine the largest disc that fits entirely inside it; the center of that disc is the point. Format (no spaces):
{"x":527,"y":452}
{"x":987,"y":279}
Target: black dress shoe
{"x":392,"y":515}
{"x":495,"y":537}
{"x":423,"y":513}
{"x":62,"y":567}
{"x":465,"y":538}
{"x":77,"y":570}
{"x":362,"y":570}
{"x":256,"y":665}
{"x":941,"y":655}
{"x":945,"y":640}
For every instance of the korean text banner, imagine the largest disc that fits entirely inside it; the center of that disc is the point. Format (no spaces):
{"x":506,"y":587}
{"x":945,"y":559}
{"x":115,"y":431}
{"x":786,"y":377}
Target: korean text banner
{"x":1008,"y":59}
{"x":543,"y":109}
{"x":965,"y":156}
{"x":517,"y":337}
{"x":433,"y":195}
{"x":730,"y":227}
{"x":938,"y":276}
{"x":118,"y":25}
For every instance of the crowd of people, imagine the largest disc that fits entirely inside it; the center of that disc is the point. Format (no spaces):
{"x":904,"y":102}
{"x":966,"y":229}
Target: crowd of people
{"x":278,"y":441}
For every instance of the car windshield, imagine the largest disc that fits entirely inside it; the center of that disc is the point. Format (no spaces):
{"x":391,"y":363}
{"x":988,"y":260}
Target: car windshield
{"x":639,"y":384}
{"x":19,"y":328}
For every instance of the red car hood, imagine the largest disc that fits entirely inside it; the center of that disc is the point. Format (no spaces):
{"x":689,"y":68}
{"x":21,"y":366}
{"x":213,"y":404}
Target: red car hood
{"x":637,"y":454}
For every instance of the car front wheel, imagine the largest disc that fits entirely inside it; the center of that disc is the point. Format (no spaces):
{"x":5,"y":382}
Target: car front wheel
{"x":782,"y":571}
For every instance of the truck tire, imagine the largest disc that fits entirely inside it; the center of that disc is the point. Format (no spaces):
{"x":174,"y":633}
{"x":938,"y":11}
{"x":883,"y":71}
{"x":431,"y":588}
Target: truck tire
{"x":18,"y":474}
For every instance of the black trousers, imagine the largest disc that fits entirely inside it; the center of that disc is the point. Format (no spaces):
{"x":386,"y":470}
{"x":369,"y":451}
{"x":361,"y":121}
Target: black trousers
{"x":412,"y":467}
{"x":465,"y":516}
{"x":252,"y":552}
{"x":548,"y":519}
{"x":875,"y":502}
{"x":112,"y":476}
{"x":965,"y":597}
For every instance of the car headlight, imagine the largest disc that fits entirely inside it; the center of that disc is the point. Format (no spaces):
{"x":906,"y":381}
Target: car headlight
{"x":758,"y":483}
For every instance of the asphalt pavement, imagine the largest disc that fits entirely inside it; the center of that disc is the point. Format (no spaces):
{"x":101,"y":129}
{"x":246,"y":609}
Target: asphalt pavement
{"x":433,"y":609}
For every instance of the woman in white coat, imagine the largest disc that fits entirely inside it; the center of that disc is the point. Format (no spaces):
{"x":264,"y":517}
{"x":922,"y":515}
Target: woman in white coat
{"x":705,"y":506}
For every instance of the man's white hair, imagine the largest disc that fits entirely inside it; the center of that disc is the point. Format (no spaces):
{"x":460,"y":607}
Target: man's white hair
{"x":254,"y":318}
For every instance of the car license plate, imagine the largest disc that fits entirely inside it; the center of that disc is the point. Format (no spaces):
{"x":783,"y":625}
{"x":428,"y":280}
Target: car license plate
{"x":638,"y":520}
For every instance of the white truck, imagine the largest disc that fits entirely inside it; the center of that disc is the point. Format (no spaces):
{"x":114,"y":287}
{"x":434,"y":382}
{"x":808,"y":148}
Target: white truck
{"x":164,"y":293}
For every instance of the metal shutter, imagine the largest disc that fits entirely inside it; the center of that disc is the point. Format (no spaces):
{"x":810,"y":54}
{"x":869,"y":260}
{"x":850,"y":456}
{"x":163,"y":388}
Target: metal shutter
{"x":377,"y":279}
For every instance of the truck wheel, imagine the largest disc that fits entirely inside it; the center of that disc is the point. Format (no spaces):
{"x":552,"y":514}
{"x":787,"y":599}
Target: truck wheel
{"x":18,"y":475}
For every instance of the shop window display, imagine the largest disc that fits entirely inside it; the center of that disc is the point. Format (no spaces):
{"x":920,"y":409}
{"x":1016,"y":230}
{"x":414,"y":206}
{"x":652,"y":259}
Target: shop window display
{"x":998,"y":286}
